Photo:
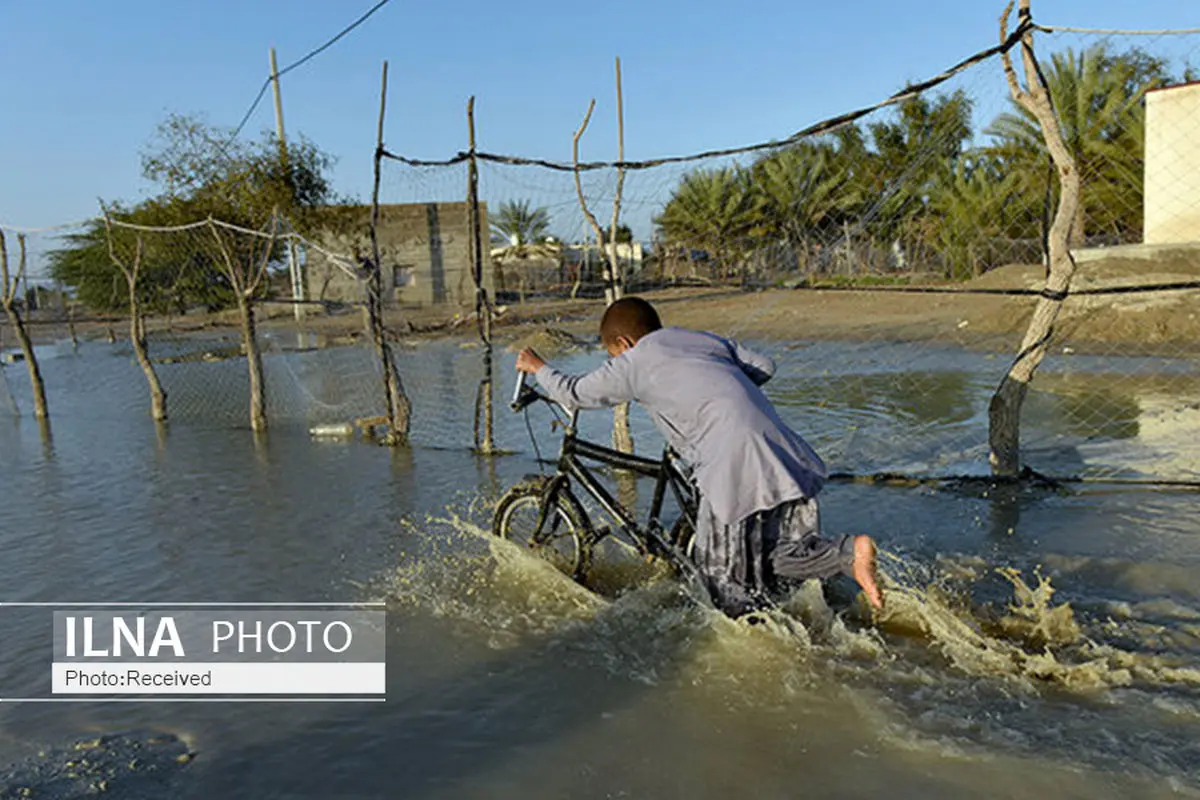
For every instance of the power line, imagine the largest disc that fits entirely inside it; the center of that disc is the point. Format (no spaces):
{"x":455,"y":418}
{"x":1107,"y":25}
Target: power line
{"x":1117,"y":31}
{"x":306,"y":58}
{"x":817,"y":129}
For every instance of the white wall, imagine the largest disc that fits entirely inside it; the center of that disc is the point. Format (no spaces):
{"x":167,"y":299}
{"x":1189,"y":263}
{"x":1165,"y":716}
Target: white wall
{"x":1172,"y":194}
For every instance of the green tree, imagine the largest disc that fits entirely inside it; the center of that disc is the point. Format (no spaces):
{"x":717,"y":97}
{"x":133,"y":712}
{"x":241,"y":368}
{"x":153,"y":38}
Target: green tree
{"x":206,"y":173}
{"x":521,"y":232}
{"x":201,"y":174}
{"x":880,"y":176}
{"x":246,"y":190}
{"x":175,"y":275}
{"x":248,"y":186}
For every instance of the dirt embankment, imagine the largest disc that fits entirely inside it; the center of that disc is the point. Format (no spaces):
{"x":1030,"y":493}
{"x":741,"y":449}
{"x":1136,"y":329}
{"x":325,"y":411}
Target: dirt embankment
{"x":1162,"y":320}
{"x":975,"y":313}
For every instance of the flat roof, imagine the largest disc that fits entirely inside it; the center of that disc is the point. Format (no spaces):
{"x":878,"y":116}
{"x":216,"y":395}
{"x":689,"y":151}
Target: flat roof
{"x":1175,"y":86}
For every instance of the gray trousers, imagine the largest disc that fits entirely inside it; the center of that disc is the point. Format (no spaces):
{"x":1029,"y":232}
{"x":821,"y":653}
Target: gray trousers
{"x":743,"y":563}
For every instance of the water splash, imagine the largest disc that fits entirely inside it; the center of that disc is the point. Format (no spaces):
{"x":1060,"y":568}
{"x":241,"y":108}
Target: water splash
{"x":1032,"y":639}
{"x":489,"y":584}
{"x":640,"y":623}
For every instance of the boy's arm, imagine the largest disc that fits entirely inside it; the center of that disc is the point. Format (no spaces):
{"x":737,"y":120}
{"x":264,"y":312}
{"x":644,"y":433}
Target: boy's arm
{"x":607,"y":386}
{"x":758,"y":367}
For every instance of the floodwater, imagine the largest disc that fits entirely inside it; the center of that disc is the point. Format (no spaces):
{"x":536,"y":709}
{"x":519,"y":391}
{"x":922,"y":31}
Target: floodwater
{"x":1040,"y":642}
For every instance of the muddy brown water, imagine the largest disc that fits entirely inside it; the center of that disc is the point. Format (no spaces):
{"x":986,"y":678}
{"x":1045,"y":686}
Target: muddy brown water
{"x":1038,"y":642}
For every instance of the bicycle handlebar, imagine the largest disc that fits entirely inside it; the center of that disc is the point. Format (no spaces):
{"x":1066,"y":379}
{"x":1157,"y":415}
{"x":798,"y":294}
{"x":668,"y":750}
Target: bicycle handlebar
{"x":516,"y":398}
{"x":525,"y":395}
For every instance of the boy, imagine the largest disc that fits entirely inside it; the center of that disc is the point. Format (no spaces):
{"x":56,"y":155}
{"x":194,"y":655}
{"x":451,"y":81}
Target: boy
{"x":758,"y":518}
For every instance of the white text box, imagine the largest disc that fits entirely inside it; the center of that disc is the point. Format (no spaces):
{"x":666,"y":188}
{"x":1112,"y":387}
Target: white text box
{"x":219,"y":678}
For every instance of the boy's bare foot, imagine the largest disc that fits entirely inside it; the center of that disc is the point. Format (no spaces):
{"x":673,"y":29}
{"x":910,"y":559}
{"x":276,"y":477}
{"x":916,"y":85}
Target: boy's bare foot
{"x":865,"y":571}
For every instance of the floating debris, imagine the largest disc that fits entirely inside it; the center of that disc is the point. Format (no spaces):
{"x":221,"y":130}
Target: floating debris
{"x":336,"y":430}
{"x":548,"y":341}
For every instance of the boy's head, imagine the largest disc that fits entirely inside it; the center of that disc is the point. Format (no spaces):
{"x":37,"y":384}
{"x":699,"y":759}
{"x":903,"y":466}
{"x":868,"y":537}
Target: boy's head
{"x":625,"y":322}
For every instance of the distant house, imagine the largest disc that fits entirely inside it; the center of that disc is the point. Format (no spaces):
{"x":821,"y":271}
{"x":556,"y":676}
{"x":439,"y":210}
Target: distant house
{"x":424,"y":250}
{"x":1172,"y":180}
{"x":629,"y":255}
{"x":586,"y":259}
{"x":521,"y":268}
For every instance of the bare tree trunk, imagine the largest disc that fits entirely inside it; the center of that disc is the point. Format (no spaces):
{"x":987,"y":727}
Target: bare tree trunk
{"x":137,"y":323}
{"x":483,"y":307}
{"x":137,"y":333}
{"x":258,"y":400}
{"x":614,"y":288}
{"x":7,"y":294}
{"x":1079,"y":226}
{"x":399,"y":409}
{"x":582,"y":268}
{"x":245,"y":279}
{"x":1004,"y":411}
{"x":622,"y":438}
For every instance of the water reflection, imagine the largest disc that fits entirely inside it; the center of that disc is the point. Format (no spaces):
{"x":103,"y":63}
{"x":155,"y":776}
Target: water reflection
{"x":207,"y":511}
{"x":47,"y":435}
{"x":1089,"y":408}
{"x":160,"y":435}
{"x":438,"y":731}
{"x":922,"y":397}
{"x":262,"y":447}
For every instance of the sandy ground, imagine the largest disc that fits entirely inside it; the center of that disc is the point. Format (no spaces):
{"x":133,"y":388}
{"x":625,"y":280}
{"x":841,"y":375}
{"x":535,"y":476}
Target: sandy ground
{"x":1161,"y":321}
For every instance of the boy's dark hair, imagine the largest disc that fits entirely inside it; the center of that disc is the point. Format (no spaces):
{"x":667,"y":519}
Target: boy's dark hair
{"x":629,"y":316}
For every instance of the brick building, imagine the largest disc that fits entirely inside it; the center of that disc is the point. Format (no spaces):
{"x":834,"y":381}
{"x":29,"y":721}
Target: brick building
{"x":424,"y":250}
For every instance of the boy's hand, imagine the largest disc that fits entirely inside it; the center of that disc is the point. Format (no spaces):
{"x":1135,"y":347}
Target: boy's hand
{"x":529,"y":362}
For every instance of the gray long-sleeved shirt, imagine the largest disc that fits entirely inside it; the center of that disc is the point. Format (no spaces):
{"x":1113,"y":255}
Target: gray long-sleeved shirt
{"x":702,"y":391}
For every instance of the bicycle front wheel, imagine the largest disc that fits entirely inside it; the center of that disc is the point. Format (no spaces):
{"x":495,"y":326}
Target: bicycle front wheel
{"x":563,"y":540}
{"x":683,"y":535}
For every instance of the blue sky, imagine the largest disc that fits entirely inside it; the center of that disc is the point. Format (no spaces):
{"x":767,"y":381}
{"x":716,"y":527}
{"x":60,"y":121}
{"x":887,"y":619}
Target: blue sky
{"x":83,"y":83}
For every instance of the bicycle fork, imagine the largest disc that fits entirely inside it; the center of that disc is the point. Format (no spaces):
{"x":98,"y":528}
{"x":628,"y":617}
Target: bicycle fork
{"x":547,"y":501}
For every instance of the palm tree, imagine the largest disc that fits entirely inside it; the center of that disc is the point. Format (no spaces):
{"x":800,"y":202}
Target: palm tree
{"x":520,"y":235}
{"x":978,"y":205}
{"x":516,"y":223}
{"x":711,"y":210}
{"x":1098,"y":99}
{"x":914,"y":151}
{"x":800,"y":193}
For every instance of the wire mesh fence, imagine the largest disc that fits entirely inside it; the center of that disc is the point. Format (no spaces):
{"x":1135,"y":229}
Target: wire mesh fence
{"x":889,"y":259}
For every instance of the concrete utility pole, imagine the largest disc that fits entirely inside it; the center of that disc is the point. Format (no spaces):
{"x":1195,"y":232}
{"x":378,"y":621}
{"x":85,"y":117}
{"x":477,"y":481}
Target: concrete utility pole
{"x":293,"y":262}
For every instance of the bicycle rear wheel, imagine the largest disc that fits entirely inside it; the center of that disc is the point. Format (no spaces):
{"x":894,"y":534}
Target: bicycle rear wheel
{"x":564,"y":538}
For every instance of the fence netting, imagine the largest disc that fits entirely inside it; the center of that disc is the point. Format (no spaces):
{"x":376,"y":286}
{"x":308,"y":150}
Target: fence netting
{"x":889,"y":261}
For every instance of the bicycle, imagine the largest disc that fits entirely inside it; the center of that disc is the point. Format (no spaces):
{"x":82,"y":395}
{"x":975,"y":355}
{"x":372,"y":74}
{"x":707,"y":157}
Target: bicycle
{"x":562,"y":532}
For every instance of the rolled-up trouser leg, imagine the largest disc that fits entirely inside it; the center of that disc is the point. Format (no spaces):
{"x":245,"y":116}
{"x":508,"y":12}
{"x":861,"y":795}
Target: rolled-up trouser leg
{"x":796,"y":549}
{"x":741,"y":563}
{"x":731,"y":560}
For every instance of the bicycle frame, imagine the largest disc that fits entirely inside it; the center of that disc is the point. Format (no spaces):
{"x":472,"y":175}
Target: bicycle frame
{"x":570,"y":467}
{"x":664,"y":471}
